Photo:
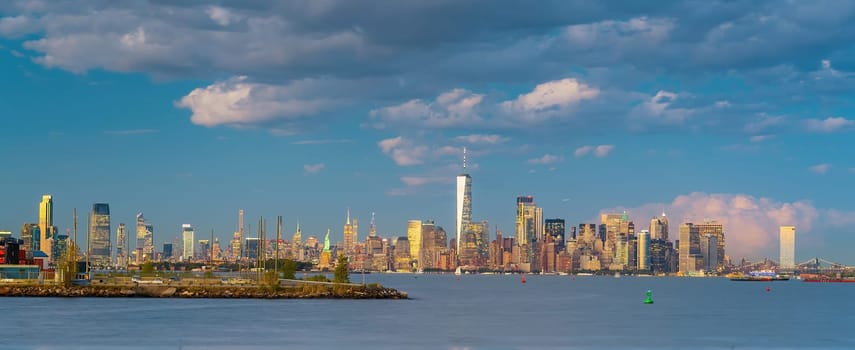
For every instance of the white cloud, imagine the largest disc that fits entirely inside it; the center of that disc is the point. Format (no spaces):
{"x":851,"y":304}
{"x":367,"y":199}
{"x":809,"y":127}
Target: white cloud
{"x":603,"y":150}
{"x":237,"y":102}
{"x":583,"y":151}
{"x":829,"y":124}
{"x":221,"y":16}
{"x":416,"y":181}
{"x":481,"y":138}
{"x":313,"y":168}
{"x":598,"y":151}
{"x":820,"y":169}
{"x":548,"y":99}
{"x":760,"y":138}
{"x":619,"y":37}
{"x":403,"y":151}
{"x":657,"y":109}
{"x":15,"y":26}
{"x":546,"y":159}
{"x":454,"y":108}
{"x":750,"y":223}
{"x":464,"y":108}
{"x":763,"y":122}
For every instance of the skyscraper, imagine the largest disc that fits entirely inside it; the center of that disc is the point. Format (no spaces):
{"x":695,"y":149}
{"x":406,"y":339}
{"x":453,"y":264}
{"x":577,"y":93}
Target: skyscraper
{"x":527,"y":226}
{"x":121,"y":247}
{"x":690,"y":248}
{"x":643,"y":250}
{"x":555,"y":228}
{"x":711,"y":227}
{"x":46,"y":227}
{"x":167,"y":251}
{"x":187,"y":236}
{"x":464,"y":201}
{"x":414,"y":237}
{"x":99,"y":236}
{"x":788,"y":246}
{"x":350,"y":238}
{"x":709,"y":251}
{"x":659,"y":227}
{"x":144,"y":249}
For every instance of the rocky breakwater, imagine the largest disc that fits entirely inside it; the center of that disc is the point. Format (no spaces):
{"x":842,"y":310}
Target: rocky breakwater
{"x":248,"y":292}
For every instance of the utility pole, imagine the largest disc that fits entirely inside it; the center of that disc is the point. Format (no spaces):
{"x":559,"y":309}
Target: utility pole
{"x":88,"y":233}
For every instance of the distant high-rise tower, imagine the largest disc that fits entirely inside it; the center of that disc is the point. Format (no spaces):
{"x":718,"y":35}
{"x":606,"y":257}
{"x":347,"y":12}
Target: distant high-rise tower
{"x":237,"y":239}
{"x":350,"y":238}
{"x":711,"y":227}
{"x":121,"y":247}
{"x":529,"y":227}
{"x":414,"y":237}
{"x":788,"y":247}
{"x":144,"y":249}
{"x":709,"y":252}
{"x":372,"y":229}
{"x":99,"y":236}
{"x":240,"y":222}
{"x":298,"y":236}
{"x":659,"y":227}
{"x":187,"y":235}
{"x":464,"y":200}
{"x":690,"y":248}
{"x":46,"y":228}
{"x":555,"y":229}
{"x":643,"y":250}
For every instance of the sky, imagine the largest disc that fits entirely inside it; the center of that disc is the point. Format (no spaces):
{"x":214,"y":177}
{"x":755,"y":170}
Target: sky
{"x":187,"y":111}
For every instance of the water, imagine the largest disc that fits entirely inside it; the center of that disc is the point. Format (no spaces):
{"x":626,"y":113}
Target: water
{"x":475,"y":312}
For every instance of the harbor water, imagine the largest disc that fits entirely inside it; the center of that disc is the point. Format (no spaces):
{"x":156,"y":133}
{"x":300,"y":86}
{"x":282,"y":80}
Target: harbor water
{"x":465,"y":312}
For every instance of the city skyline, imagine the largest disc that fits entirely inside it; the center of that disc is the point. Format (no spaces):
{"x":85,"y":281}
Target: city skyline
{"x":735,"y":112}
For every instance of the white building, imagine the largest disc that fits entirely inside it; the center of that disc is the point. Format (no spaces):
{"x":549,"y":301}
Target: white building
{"x":788,"y":247}
{"x":187,"y":235}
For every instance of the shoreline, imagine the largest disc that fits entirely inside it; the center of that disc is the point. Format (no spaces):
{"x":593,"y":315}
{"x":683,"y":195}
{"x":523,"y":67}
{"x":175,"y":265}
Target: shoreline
{"x":209,"y":292}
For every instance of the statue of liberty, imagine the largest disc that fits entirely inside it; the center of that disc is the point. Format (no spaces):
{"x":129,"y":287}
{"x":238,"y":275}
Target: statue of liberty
{"x":327,"y":241}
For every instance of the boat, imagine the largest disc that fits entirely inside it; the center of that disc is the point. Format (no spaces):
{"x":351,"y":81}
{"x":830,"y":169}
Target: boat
{"x":458,"y":272}
{"x":617,"y":274}
{"x":759,"y":276}
{"x":831,"y":280}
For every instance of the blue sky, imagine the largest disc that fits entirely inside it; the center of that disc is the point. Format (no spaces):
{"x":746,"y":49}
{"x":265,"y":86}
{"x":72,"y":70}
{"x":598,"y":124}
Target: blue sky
{"x":738,"y":111}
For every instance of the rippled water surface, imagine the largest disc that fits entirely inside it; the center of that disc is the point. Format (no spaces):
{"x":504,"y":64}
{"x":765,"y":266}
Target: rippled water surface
{"x":474,"y":312}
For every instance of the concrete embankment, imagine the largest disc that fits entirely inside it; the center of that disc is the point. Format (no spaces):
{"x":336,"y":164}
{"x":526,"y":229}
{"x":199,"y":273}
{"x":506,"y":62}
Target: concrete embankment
{"x":250,"y":292}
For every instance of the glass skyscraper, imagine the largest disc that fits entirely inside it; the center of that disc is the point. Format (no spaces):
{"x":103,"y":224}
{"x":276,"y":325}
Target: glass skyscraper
{"x":464,"y":202}
{"x":46,"y":227}
{"x":99,"y":236}
{"x":144,"y":249}
{"x":187,"y":235}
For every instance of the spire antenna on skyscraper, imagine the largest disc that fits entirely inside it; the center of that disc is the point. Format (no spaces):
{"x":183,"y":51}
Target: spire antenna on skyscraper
{"x":464,"y":158}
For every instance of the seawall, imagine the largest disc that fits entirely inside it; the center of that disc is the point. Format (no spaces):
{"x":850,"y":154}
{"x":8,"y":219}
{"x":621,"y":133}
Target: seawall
{"x":250,"y":292}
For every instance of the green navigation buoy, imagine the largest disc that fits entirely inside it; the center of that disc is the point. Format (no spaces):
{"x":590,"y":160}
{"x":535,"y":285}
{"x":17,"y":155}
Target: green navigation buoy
{"x":648,"y":300}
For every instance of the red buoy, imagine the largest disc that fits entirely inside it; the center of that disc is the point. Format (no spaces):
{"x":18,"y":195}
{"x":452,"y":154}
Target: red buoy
{"x":768,"y":289}
{"x":522,"y":279}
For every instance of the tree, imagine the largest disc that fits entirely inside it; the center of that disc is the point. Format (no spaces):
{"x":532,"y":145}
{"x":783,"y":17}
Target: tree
{"x":147,"y":268}
{"x":341,"y":270}
{"x":289,"y":269}
{"x":67,"y":265}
